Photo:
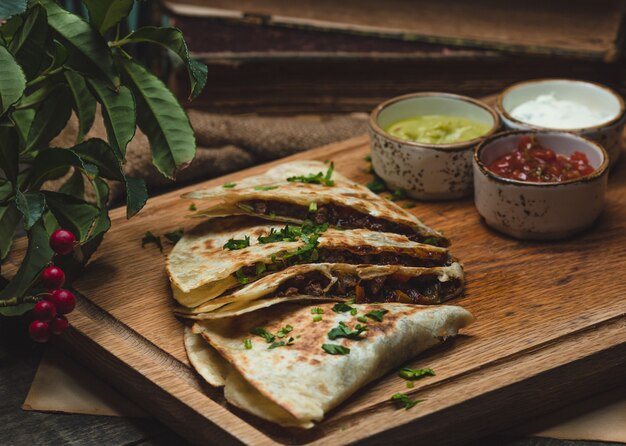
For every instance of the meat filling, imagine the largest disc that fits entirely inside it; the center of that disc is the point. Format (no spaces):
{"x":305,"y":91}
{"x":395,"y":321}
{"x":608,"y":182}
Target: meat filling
{"x":340,"y":216}
{"x":392,"y":288}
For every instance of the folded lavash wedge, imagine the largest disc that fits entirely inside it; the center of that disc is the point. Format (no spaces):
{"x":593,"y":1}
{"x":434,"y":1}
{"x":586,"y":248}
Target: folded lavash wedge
{"x":344,"y":204}
{"x":200,"y":268}
{"x":340,"y":282}
{"x":297,"y":383}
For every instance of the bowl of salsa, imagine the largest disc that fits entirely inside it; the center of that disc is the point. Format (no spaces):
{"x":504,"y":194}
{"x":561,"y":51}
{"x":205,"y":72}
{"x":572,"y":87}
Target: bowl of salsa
{"x":422,"y":143}
{"x":539,"y":185}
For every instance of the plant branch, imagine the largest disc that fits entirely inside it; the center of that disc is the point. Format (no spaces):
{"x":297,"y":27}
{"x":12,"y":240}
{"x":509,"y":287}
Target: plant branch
{"x":43,"y":76}
{"x":14,"y":301}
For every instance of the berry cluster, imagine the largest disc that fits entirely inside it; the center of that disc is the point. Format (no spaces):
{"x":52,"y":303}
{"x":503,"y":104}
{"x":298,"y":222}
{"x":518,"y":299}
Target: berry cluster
{"x":49,"y":312}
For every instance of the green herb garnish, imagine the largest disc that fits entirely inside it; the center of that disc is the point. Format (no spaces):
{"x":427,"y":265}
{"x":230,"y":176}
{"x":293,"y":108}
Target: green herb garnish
{"x":317,"y":318}
{"x":342,"y":331}
{"x":398,"y":194}
{"x":368,"y":158}
{"x":308,"y":252}
{"x":234,"y":244}
{"x":262,"y":332}
{"x":174,"y":236}
{"x":229,"y":185}
{"x":192,"y":207}
{"x":265,"y":187}
{"x":312,"y":207}
{"x":354,"y":311}
{"x":241,"y":277}
{"x":409,"y":384}
{"x":409,"y":205}
{"x":317,"y":310}
{"x":149,"y":237}
{"x":247,"y":343}
{"x":414,"y":374}
{"x":361,"y":319}
{"x":431,"y":241}
{"x":335,"y":349}
{"x":319,"y":178}
{"x":280,"y":343}
{"x":341,"y":307}
{"x":284,"y":331}
{"x":377,"y":314}
{"x":404,"y":399}
{"x":260,"y":268}
{"x":377,"y":185}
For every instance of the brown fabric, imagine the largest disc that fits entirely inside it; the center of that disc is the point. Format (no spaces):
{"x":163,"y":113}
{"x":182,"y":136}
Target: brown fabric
{"x":225,"y":144}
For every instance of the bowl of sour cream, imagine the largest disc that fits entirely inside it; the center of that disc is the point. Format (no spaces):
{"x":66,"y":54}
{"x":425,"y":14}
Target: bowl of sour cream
{"x":423,"y":143}
{"x":581,"y":107}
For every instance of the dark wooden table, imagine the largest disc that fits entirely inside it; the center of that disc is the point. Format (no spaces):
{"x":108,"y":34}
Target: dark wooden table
{"x":19,"y":359}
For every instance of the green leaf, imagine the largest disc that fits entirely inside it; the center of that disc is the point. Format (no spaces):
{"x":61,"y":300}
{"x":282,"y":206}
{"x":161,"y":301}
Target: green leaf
{"x":38,"y":96}
{"x":162,"y":119}
{"x":103,"y":222}
{"x":83,"y":103}
{"x":50,"y":118}
{"x":103,"y":15}
{"x":73,"y":213}
{"x":118,"y":113}
{"x":335,"y":349}
{"x":9,"y":8}
{"x":29,"y":42}
{"x":172,"y":39}
{"x":53,"y":163}
{"x":12,"y":80}
{"x":38,"y":255}
{"x":9,"y":29}
{"x":58,"y":55}
{"x":31,"y":204}
{"x":9,"y":218}
{"x":75,"y":185}
{"x":88,"y":51}
{"x":9,"y":151}
{"x":136,"y":195}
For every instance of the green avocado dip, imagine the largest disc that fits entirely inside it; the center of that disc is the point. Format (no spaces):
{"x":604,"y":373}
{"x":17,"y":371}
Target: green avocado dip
{"x":437,"y":129}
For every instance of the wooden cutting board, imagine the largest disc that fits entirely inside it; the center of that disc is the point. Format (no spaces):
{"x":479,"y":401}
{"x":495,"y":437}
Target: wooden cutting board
{"x":550,"y":329}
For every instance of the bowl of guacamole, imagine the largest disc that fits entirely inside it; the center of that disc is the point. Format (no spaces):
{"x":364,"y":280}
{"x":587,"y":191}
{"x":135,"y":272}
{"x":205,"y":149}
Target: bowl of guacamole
{"x":423,"y":143}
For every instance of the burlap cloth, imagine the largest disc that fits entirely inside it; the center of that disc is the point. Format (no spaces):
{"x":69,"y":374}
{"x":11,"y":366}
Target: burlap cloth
{"x":225,"y":144}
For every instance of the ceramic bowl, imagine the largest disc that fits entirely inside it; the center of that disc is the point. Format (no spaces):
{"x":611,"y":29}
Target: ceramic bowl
{"x":598,"y":98}
{"x":539,"y":211}
{"x":427,"y":171}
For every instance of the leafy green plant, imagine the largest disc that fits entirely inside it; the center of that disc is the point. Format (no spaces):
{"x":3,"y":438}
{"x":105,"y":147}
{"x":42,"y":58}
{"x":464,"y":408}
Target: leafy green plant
{"x":52,"y":64}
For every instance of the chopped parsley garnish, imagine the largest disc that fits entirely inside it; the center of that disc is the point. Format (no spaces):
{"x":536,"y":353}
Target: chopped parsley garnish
{"x":192,"y":207}
{"x":361,"y":319}
{"x":317,"y":310}
{"x":409,"y":205}
{"x":409,"y":384}
{"x":353,"y":312}
{"x":317,"y":318}
{"x":262,"y":332}
{"x":414,"y":374}
{"x":335,"y":349}
{"x":292,"y":233}
{"x":313,"y":207}
{"x":342,"y":307}
{"x":377,"y":314}
{"x":265,"y":187}
{"x":368,"y":158}
{"x":260,"y":268}
{"x":241,"y":277}
{"x":398,"y":194}
{"x":431,"y":241}
{"x":174,"y":236}
{"x":284,"y":331}
{"x":318,"y":178}
{"x":149,"y":237}
{"x":342,"y":331}
{"x":377,"y":185}
{"x":280,"y":343}
{"x":229,"y":185}
{"x":234,"y":244}
{"x":404,"y":399}
{"x":247,"y":343}
{"x":308,"y":252}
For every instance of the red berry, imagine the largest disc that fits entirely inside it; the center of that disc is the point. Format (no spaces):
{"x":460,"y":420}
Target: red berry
{"x":39,"y":331}
{"x":58,"y":325}
{"x":44,"y":311}
{"x":62,"y":241}
{"x":64,"y":300}
{"x":52,"y":277}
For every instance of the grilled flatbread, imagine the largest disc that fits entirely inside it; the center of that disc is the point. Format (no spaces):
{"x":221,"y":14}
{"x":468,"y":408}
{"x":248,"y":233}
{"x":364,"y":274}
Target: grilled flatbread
{"x":200,"y":268}
{"x":339,"y":282}
{"x":295,"y":383}
{"x":343,"y":204}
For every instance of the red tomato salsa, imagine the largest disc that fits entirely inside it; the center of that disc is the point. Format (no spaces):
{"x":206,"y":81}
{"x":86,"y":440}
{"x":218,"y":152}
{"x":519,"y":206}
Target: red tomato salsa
{"x":533,"y":162}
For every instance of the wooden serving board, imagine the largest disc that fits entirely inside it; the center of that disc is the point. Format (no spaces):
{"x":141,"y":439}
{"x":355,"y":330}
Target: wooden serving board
{"x":550,"y":329}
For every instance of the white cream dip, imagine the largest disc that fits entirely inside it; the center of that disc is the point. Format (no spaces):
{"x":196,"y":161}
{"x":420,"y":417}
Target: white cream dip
{"x":547,"y":111}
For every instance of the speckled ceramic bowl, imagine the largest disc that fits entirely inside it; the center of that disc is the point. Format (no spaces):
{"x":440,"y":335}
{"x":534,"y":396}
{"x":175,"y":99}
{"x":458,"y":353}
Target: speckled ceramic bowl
{"x":598,"y":98}
{"x":427,"y":171}
{"x":539,"y":211}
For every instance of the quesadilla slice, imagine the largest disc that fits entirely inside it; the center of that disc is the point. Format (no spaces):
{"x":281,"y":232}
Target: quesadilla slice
{"x":299,"y":191}
{"x":223,"y":254}
{"x":339,"y":282}
{"x":292,"y":364}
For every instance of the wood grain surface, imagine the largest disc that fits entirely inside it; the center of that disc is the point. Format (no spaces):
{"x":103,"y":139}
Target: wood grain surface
{"x":550,"y":328}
